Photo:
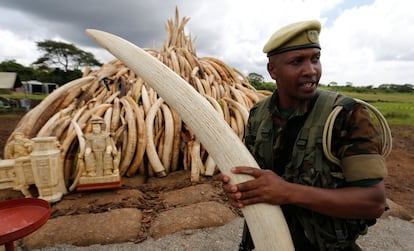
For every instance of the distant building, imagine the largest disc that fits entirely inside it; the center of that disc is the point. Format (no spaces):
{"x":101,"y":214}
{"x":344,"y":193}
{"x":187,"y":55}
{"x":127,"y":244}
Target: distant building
{"x":9,"y":81}
{"x":36,"y":87}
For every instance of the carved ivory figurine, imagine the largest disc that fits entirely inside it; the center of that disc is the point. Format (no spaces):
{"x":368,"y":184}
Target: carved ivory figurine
{"x":33,"y":161}
{"x":100,"y":159}
{"x":99,"y":151}
{"x":19,"y":146}
{"x":20,"y":169}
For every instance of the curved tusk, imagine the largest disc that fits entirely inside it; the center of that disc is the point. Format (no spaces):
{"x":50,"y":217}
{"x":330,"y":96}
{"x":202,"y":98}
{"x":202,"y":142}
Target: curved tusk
{"x":266,"y":222}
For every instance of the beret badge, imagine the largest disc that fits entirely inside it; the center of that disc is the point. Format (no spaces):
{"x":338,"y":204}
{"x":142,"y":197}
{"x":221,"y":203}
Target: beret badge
{"x":313,"y":36}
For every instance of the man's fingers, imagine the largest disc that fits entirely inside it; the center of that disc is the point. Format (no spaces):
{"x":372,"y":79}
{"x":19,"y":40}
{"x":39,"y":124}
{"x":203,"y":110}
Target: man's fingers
{"x":249,"y":194}
{"x":221,"y":177}
{"x":255,"y":172}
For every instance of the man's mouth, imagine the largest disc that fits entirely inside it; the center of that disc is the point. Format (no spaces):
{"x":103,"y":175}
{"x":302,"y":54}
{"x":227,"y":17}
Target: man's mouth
{"x":310,"y":84}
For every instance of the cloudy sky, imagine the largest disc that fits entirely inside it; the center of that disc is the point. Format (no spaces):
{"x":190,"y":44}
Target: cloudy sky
{"x":364,"y":42}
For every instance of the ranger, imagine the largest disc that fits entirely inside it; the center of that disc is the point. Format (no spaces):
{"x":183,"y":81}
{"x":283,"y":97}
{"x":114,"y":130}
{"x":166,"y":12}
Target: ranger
{"x":327,"y":205}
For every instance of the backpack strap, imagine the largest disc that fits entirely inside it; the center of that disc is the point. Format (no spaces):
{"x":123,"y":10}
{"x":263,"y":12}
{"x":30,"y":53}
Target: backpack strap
{"x":260,"y":132}
{"x":311,"y":133}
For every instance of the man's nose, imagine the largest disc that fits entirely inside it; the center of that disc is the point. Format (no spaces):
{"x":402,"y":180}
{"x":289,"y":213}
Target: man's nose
{"x":310,"y":69}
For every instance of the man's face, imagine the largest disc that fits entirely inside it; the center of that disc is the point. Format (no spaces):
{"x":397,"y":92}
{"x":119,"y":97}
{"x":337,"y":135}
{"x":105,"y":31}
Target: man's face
{"x":297,"y":75}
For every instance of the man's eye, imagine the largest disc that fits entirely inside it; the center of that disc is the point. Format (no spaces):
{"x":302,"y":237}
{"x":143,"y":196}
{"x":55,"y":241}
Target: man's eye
{"x":316,"y":59}
{"x":296,"y":61}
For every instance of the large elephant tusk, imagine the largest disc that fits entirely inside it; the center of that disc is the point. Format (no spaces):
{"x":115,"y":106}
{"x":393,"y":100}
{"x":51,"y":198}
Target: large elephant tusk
{"x":266,"y":222}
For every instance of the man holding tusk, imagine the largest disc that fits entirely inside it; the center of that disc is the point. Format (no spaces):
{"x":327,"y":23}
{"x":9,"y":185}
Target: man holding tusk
{"x":326,"y":205}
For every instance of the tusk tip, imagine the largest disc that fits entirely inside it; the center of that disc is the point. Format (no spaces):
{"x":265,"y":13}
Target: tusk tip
{"x":90,"y":31}
{"x":93,"y":32}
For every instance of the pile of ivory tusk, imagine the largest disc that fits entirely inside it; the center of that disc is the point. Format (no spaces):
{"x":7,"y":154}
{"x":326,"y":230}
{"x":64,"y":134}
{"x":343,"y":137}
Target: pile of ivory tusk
{"x":149,"y":135}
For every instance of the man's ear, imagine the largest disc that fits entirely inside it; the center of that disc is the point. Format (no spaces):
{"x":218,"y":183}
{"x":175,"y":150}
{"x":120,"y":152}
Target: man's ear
{"x":271,"y":70}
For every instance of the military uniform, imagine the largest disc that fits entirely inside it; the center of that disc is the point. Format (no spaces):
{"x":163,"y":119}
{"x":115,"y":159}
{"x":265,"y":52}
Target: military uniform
{"x":355,"y":140}
{"x":286,"y":142}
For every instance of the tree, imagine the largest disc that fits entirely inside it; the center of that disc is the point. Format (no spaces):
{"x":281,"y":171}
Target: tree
{"x":42,"y":74}
{"x":57,"y":76}
{"x":255,"y":79}
{"x":62,"y":55}
{"x":24,"y":73}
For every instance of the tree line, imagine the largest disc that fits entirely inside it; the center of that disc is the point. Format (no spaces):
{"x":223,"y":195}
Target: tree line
{"x":257,"y":81}
{"x":59,"y":63}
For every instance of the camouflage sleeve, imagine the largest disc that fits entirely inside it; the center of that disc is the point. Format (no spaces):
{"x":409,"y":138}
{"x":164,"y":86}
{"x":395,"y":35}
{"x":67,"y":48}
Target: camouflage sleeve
{"x":358,"y":144}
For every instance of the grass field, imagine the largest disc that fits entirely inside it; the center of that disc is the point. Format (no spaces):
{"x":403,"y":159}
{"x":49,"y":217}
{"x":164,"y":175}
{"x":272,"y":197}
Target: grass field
{"x":20,"y":95}
{"x":397,"y":108}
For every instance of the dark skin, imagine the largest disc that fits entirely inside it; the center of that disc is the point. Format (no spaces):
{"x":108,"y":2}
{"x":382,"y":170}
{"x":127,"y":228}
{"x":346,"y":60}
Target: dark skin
{"x":297,"y":74}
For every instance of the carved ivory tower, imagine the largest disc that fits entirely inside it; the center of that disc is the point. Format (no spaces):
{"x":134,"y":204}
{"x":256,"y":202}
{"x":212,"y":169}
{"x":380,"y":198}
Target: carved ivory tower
{"x":47,"y":168}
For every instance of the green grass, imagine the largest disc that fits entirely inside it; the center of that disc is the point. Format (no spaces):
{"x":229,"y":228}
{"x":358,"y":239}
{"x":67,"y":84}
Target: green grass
{"x":382,"y":97}
{"x":399,"y":113}
{"x":397,"y":108}
{"x":19,"y":95}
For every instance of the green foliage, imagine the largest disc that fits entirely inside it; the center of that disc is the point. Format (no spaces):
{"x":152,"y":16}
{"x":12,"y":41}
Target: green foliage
{"x":269,"y":86}
{"x":255,"y":78}
{"x":257,"y":81}
{"x":397,"y":88}
{"x":59,"y":64}
{"x":45,"y":75}
{"x":384,"y":88}
{"x":63,"y":55}
{"x":58,"y":76}
{"x":24,"y":73}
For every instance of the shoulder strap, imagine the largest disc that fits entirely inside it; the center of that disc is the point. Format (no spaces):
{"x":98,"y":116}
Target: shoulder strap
{"x":311,"y":133}
{"x":258,"y":113}
{"x":259,"y":132}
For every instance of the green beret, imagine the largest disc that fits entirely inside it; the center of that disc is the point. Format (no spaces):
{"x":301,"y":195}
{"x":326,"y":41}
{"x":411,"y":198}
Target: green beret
{"x":294,"y":36}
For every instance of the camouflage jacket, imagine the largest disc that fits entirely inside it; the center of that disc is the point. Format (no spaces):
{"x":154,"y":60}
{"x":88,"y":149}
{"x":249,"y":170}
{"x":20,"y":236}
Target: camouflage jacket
{"x":274,"y":136}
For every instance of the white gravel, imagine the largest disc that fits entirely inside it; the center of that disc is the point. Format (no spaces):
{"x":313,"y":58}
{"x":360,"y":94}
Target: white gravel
{"x":388,"y":234}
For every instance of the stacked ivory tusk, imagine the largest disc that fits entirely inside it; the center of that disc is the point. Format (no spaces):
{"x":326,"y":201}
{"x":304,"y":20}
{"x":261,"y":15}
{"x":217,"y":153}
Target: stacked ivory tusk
{"x":149,"y":135}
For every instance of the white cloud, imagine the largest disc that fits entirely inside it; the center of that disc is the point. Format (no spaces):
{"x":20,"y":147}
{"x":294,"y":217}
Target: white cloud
{"x":330,"y":5}
{"x":13,"y":47}
{"x":244,"y":28}
{"x":370,"y":45}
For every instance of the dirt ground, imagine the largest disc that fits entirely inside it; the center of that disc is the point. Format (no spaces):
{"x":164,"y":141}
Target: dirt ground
{"x":400,"y":163}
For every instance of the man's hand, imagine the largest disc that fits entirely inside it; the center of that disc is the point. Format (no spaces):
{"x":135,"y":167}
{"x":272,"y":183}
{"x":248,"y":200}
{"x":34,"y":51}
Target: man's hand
{"x":266,"y":187}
